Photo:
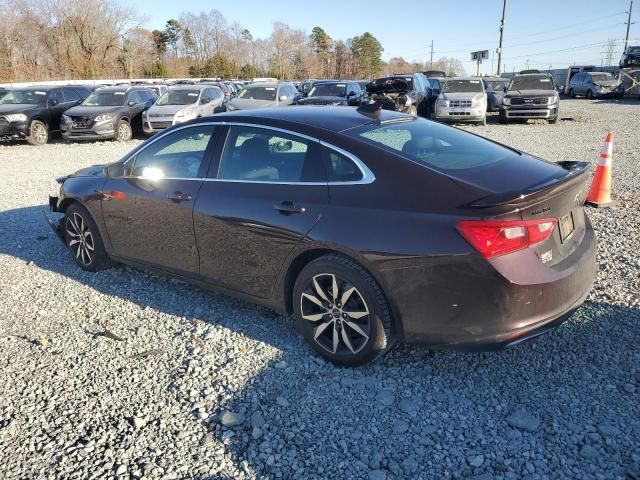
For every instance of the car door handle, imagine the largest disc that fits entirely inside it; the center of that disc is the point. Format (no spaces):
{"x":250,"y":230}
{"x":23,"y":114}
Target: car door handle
{"x":288,"y":207}
{"x":179,"y":197}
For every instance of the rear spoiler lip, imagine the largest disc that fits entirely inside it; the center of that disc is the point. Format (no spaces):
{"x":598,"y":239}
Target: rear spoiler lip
{"x":574,"y":170}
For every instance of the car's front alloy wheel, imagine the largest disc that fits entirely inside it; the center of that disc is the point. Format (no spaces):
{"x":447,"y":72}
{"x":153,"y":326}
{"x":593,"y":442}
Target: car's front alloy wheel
{"x":342,"y":311}
{"x":83,"y":239}
{"x":124,"y":131}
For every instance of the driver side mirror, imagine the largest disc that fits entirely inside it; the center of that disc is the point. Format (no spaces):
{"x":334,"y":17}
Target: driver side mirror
{"x":351,"y":94}
{"x":53,"y":102}
{"x":205,"y":100}
{"x":115,"y":170}
{"x":282,"y":98}
{"x":504,"y":89}
{"x":131,"y":103}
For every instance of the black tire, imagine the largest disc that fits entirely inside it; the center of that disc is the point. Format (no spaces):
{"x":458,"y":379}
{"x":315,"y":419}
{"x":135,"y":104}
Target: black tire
{"x":589,"y":94}
{"x":572,"y":94}
{"x":366,"y":297}
{"x":89,"y":254}
{"x":553,"y":120}
{"x":502,"y":118}
{"x":124,"y":133}
{"x":38,"y":133}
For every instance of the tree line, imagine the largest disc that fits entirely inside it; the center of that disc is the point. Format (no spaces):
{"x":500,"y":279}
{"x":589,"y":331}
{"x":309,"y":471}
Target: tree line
{"x":86,"y":39}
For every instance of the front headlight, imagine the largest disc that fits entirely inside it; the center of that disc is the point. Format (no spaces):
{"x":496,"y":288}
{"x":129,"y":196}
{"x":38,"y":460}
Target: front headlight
{"x":104,"y":117}
{"x":506,"y":100}
{"x":16,"y":117}
{"x":477,"y":102}
{"x":442,"y":103}
{"x":553,"y":99}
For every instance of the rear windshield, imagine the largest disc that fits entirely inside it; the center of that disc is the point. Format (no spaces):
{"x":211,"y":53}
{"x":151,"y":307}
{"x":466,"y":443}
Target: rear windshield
{"x":29,"y":97}
{"x":531,"y":83}
{"x":634,"y":50}
{"x":258,"y":93}
{"x":453,"y":152}
{"x":178,"y":97}
{"x":328,"y":90}
{"x":106,"y":98}
{"x":461,"y":86}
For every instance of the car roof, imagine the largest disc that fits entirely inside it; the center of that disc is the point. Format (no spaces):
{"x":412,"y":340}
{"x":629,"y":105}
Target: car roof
{"x":45,"y":88}
{"x":333,"y":119}
{"x":200,"y":86}
{"x":531,"y":75}
{"x":461,"y":78}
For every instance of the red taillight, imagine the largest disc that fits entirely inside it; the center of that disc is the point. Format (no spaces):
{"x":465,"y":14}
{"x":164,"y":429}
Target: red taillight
{"x":492,"y":239}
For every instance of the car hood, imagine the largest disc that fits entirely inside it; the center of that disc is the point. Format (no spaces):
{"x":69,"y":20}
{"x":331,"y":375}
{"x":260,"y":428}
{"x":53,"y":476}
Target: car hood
{"x":537,"y":93}
{"x":18,"y":108}
{"x":462,"y":96}
{"x":607,"y":83}
{"x":90,"y":111}
{"x":327,"y":100}
{"x":93,"y":171}
{"x":247,"y":103}
{"x":167,"y":109}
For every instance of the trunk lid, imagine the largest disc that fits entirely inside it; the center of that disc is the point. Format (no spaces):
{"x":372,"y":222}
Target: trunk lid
{"x":559,"y":198}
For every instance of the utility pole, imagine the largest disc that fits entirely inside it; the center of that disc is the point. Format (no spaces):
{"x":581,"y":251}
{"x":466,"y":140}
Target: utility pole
{"x":431,"y":67}
{"x":504,"y":10}
{"x":626,"y":38}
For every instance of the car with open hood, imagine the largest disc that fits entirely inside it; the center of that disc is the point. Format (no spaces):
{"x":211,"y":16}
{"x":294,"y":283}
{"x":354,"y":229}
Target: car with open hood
{"x":108,"y":113}
{"x":461,"y":99}
{"x":182,"y":103}
{"x":335,"y":93}
{"x":369,"y":227}
{"x":530,"y":96}
{"x":34,"y":113}
{"x":406,"y":93}
{"x":596,"y":85}
{"x":265,"y":95}
{"x":495,"y":87}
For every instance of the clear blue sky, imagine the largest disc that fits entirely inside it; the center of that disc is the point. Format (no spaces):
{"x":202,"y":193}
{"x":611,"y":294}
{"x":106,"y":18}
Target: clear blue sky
{"x":544,"y":32}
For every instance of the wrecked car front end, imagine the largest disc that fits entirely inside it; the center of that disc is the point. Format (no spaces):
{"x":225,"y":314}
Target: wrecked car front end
{"x":393,"y":94}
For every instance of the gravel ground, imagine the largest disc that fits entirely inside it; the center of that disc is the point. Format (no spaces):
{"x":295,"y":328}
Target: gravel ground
{"x":125,"y":374}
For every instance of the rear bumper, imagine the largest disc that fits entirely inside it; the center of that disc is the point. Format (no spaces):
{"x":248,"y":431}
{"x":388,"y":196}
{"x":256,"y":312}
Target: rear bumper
{"x":470,"y":305}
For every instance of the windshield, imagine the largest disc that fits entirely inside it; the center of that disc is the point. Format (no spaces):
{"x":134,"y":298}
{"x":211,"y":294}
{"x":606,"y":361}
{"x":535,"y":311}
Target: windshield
{"x":531,"y":83}
{"x":258,"y":93}
{"x":105,"y":98}
{"x":178,"y":97}
{"x":599,"y":77}
{"x":496,"y":84}
{"x":461,"y":86}
{"x":391,"y":84}
{"x":328,"y":90}
{"x":455,"y":153}
{"x":28,"y":97}
{"x":634,"y":50}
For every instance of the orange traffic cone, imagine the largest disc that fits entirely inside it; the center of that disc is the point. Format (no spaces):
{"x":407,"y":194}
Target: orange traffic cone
{"x":600,"y":192}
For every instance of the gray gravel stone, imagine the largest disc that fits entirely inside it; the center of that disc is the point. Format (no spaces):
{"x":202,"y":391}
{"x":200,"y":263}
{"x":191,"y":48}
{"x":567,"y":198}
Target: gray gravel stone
{"x":231,"y":419}
{"x":523,"y":420}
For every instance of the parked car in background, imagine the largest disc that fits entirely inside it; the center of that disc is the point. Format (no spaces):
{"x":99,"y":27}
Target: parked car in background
{"x":264,"y":95}
{"x":158,"y":90}
{"x":530,"y":96}
{"x":402,"y":93}
{"x":495,"y":91}
{"x":228,"y":95}
{"x":306,"y":86}
{"x":630,"y":57}
{"x":595,"y":85}
{"x":368,"y":231}
{"x":335,"y":93}
{"x":435,"y":73}
{"x":108,"y":113}
{"x":182,"y":103}
{"x":34,"y":113}
{"x":233,"y":88}
{"x":462,"y":99}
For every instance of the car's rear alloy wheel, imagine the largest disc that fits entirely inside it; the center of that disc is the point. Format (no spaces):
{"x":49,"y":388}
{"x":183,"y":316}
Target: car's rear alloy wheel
{"x":342,"y":311}
{"x":83,"y":239}
{"x":589,"y":94}
{"x":38,"y":133}
{"x":124,"y":131}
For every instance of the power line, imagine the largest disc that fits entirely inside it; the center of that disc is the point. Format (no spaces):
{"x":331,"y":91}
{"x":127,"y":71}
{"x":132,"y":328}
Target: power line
{"x":577,"y":47}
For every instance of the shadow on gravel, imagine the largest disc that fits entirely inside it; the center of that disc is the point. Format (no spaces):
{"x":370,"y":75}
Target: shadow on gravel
{"x":565,"y":405}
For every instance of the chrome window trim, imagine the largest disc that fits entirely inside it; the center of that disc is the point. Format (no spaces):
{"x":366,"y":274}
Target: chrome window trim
{"x":367,"y":175}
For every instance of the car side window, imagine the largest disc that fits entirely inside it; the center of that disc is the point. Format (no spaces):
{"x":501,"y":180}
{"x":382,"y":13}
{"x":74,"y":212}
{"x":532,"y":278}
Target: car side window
{"x":265,"y":155}
{"x":70,"y":95}
{"x":339,"y":167}
{"x":134,"y":97}
{"x":179,"y":154}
